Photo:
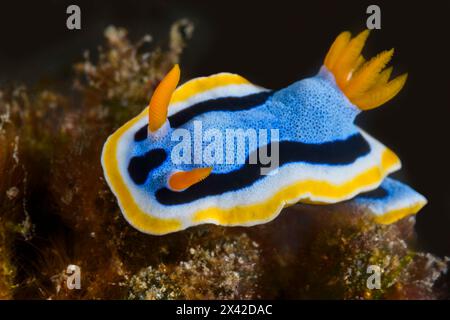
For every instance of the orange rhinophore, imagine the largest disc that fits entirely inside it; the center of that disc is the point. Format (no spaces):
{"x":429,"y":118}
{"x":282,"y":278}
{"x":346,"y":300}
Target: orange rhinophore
{"x":159,"y":104}
{"x":182,"y":180}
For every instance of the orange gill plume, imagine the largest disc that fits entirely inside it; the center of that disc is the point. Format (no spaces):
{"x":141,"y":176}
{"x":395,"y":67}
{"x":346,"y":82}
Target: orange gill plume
{"x":159,"y":104}
{"x":182,"y":180}
{"x":365,"y":83}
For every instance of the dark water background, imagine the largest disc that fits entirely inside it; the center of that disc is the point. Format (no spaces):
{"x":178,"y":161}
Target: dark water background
{"x":272,"y":44}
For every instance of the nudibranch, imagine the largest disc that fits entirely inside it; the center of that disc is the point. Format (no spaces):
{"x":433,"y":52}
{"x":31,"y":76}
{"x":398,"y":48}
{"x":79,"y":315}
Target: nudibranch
{"x":322,"y":156}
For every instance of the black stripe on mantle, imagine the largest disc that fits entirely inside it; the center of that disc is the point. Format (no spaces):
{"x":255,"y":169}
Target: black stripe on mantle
{"x":220,"y":104}
{"x":339,"y":152}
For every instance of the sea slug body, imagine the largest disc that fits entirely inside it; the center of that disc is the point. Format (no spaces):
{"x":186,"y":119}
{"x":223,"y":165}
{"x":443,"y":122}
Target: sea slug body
{"x":322,"y":156}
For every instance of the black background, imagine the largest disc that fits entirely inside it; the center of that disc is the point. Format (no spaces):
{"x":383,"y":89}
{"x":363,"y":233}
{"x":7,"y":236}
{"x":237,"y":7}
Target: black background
{"x":272,"y":44}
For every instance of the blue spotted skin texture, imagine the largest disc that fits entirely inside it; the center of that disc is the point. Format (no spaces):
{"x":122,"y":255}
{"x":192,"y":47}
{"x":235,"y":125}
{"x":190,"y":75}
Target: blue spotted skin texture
{"x":312,"y":110}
